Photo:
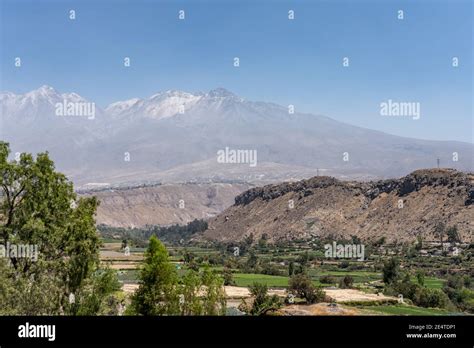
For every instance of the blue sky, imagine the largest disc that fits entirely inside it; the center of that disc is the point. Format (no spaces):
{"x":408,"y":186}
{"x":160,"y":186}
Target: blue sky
{"x":288,"y":62}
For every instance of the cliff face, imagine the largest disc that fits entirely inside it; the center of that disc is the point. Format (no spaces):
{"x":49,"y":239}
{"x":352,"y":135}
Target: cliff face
{"x":164,"y":204}
{"x":399,"y":209}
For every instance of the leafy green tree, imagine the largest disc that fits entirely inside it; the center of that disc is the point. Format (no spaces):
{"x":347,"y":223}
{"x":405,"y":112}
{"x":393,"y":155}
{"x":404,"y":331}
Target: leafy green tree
{"x":262,"y":242}
{"x":303,"y":259}
{"x":189,"y":298}
{"x":38,"y":206}
{"x":291,"y":268}
{"x":420,"y":278}
{"x":157,"y":293}
{"x":252,"y":261}
{"x":425,"y":297}
{"x":439,"y":231}
{"x":346,"y":283}
{"x":228,"y":276}
{"x":214,"y":302}
{"x":302,"y":286}
{"x":99,"y":296}
{"x":453,"y":235}
{"x":263,"y":303}
{"x":391,"y":270}
{"x":188,"y":256}
{"x":161,"y":292}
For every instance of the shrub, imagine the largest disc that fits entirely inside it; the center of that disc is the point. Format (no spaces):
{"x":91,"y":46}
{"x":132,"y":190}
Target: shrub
{"x":425,"y":297}
{"x":262,"y":302}
{"x":391,"y":270}
{"x":301,"y":285}
{"x":327,"y":279}
{"x":346,"y":282}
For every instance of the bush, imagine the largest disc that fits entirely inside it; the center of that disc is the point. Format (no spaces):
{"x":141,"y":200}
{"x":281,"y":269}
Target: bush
{"x":391,"y":270}
{"x":270,"y":269}
{"x":327,"y":279}
{"x":344,"y":264}
{"x":262,"y":302}
{"x":425,"y":297}
{"x":301,"y":285}
{"x":228,"y":276}
{"x":346,"y":282}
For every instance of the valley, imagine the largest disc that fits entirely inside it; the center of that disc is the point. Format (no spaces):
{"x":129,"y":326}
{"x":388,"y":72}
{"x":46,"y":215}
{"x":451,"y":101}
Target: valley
{"x":421,"y":225}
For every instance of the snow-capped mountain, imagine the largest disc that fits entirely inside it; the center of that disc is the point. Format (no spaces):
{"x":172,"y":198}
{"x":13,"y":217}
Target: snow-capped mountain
{"x":170,"y":103}
{"x":176,"y":136}
{"x":158,"y":106}
{"x":37,"y":103}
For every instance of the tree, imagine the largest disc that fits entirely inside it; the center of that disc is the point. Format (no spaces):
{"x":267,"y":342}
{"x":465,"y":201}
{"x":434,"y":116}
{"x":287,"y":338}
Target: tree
{"x":228,"y":276}
{"x":419,"y":243}
{"x":188,"y":256}
{"x":213,"y":299}
{"x":262,"y":302}
{"x":420,"y":278}
{"x":157,"y":293}
{"x":453,"y":235}
{"x":252,"y":261}
{"x":248,"y":240}
{"x":291,"y":268}
{"x":439,"y":231}
{"x":262,"y":242}
{"x":391,"y":270}
{"x":346,"y":282}
{"x":302,"y":286}
{"x":98,"y":297}
{"x":161,"y":292}
{"x":425,"y":297}
{"x":38,"y":207}
{"x":303,"y":259}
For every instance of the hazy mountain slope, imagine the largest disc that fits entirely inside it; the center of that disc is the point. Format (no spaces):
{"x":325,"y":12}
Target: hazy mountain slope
{"x":324,"y":206}
{"x":172,"y":130}
{"x":160,"y":204}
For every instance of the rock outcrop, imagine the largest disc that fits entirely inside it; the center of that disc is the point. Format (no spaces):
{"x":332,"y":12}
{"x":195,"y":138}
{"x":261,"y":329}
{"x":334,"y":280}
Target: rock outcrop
{"x":398,"y":209}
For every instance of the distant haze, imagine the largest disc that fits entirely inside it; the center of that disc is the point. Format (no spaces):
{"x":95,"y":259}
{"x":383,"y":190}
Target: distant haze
{"x":175,"y":136}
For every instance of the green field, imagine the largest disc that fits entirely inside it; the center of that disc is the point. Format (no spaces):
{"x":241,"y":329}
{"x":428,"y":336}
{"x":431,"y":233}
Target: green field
{"x":358,"y":276}
{"x":431,"y":282}
{"x":247,"y":279}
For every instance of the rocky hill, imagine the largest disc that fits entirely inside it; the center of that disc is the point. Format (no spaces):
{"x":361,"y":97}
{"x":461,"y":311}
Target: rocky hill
{"x":399,"y":209}
{"x":163,"y":204}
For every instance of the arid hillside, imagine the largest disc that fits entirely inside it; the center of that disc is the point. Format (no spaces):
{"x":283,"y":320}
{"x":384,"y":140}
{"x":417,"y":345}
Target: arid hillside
{"x":164,"y":204}
{"x":399,"y":209}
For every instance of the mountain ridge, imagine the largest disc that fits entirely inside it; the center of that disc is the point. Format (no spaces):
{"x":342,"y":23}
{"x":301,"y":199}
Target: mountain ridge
{"x":177,"y":131}
{"x":324,"y":207}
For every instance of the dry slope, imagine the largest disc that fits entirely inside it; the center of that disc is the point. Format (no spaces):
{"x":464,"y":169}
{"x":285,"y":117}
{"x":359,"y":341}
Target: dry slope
{"x":399,"y":209}
{"x":160,"y":205}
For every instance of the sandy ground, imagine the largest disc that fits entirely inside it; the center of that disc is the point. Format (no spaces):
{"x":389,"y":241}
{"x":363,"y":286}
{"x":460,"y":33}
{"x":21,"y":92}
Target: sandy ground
{"x":232,"y":292}
{"x":339,"y":295}
{"x":119,"y":255}
{"x":240,"y":292}
{"x":123,"y":266}
{"x":345,"y":295}
{"x":318,"y":309}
